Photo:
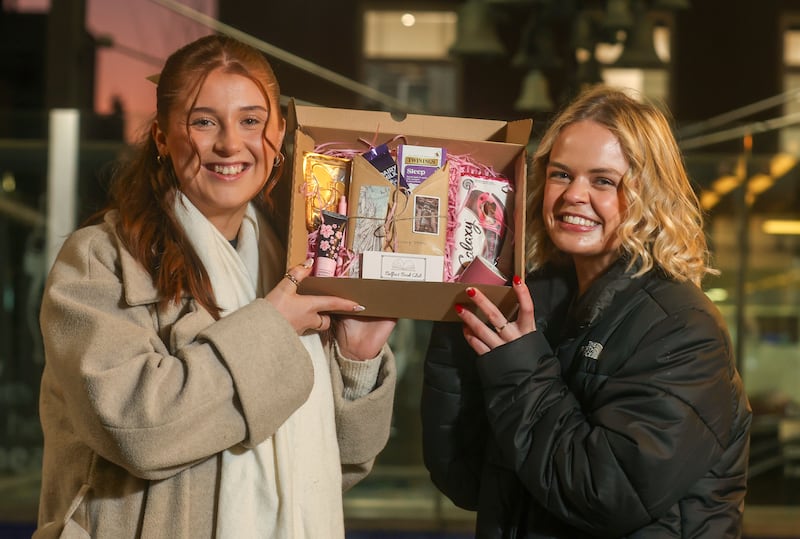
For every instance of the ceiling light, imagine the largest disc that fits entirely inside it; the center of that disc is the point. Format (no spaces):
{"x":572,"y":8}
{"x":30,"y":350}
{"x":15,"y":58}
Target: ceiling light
{"x":725,"y":184}
{"x":781,"y":164}
{"x":759,"y":183}
{"x":781,"y":226}
{"x":408,"y":19}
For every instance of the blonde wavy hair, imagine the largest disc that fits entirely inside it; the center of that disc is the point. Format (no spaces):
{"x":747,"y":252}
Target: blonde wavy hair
{"x":662,"y":225}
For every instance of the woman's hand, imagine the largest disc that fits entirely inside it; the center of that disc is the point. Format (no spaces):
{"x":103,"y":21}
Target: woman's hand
{"x":362,"y":337}
{"x":305,"y":312}
{"x":483,"y":338}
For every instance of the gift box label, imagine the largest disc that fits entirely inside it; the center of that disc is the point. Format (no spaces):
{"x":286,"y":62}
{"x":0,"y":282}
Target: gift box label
{"x":401,"y":267}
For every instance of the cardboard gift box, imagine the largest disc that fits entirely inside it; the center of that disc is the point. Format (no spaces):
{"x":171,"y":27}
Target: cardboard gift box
{"x":495,"y":143}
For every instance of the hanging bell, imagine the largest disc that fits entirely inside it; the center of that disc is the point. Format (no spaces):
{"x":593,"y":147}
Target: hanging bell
{"x":640,"y":51}
{"x":617,"y":16}
{"x":537,"y":49}
{"x":583,"y":35}
{"x":475,"y":35}
{"x":535,"y":93}
{"x":522,"y":58}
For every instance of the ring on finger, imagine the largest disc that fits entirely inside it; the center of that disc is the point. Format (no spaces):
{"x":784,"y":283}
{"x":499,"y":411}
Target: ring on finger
{"x":292,"y":278}
{"x":321,"y":322}
{"x":501,"y":328}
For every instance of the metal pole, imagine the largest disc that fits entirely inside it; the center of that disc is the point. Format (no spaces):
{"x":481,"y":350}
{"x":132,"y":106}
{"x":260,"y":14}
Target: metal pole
{"x":743,"y":232}
{"x":62,"y":178}
{"x":739,"y":132}
{"x":739,"y":113}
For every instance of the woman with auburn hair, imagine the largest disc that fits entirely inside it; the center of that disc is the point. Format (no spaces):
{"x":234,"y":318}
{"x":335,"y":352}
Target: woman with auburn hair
{"x":189,"y":391}
{"x":611,"y":405}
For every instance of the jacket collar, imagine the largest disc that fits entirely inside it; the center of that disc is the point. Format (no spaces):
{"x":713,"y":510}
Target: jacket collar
{"x":137,"y":283}
{"x":589,"y":307}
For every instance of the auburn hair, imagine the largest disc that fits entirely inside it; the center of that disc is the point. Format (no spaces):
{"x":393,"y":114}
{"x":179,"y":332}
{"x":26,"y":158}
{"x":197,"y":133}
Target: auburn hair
{"x":144,"y":185}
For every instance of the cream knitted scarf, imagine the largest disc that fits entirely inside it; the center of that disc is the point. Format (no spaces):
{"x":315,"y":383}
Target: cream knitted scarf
{"x":289,"y":486}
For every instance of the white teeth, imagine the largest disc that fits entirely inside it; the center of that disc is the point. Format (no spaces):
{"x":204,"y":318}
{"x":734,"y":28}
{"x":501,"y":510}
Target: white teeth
{"x":575,"y":220}
{"x":228,"y":170}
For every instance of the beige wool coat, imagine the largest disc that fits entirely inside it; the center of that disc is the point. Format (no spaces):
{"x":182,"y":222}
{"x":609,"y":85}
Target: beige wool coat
{"x":137,"y":401}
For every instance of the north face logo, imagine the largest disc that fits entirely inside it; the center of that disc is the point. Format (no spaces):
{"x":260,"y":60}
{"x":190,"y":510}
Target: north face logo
{"x":592,"y":350}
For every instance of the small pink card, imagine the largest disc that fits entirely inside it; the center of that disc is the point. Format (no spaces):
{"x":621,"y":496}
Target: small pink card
{"x":481,"y":271}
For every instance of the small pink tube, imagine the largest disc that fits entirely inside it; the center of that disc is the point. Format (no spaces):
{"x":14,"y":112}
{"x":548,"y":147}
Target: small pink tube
{"x":329,"y":238}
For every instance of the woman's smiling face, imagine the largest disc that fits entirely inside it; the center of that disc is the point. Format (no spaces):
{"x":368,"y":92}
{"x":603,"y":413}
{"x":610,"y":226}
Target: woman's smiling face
{"x":225,"y":162}
{"x":583,"y":203}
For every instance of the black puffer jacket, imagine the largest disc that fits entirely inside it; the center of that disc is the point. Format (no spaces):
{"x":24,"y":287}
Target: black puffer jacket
{"x":621,"y":416}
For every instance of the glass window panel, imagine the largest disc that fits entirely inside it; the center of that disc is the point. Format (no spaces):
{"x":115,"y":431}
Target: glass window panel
{"x":653,"y":83}
{"x":427,"y":86}
{"x":790,"y":136}
{"x":408,"y":34}
{"x":791,"y":47}
{"x":661,"y":42}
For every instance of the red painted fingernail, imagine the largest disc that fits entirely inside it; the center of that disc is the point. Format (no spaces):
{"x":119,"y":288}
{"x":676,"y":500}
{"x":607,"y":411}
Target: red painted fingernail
{"x":517,"y":279}
{"x":471,"y":292}
{"x":459,"y":308}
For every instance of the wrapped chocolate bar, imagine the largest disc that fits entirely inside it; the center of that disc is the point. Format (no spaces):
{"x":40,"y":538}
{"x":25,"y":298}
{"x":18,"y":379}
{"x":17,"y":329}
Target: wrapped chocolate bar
{"x":325,"y":181}
{"x":381,"y":158}
{"x":482,"y":218}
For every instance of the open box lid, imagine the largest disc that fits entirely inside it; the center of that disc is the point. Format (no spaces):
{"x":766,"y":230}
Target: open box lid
{"x":445,"y":127}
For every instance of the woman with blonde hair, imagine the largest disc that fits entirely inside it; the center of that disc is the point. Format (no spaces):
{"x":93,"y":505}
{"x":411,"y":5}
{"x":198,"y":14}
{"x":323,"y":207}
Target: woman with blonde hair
{"x":664,"y":224}
{"x":611,"y":405}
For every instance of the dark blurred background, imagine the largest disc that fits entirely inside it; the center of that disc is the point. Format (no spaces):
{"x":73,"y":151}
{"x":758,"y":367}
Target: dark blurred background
{"x":728,"y":70}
